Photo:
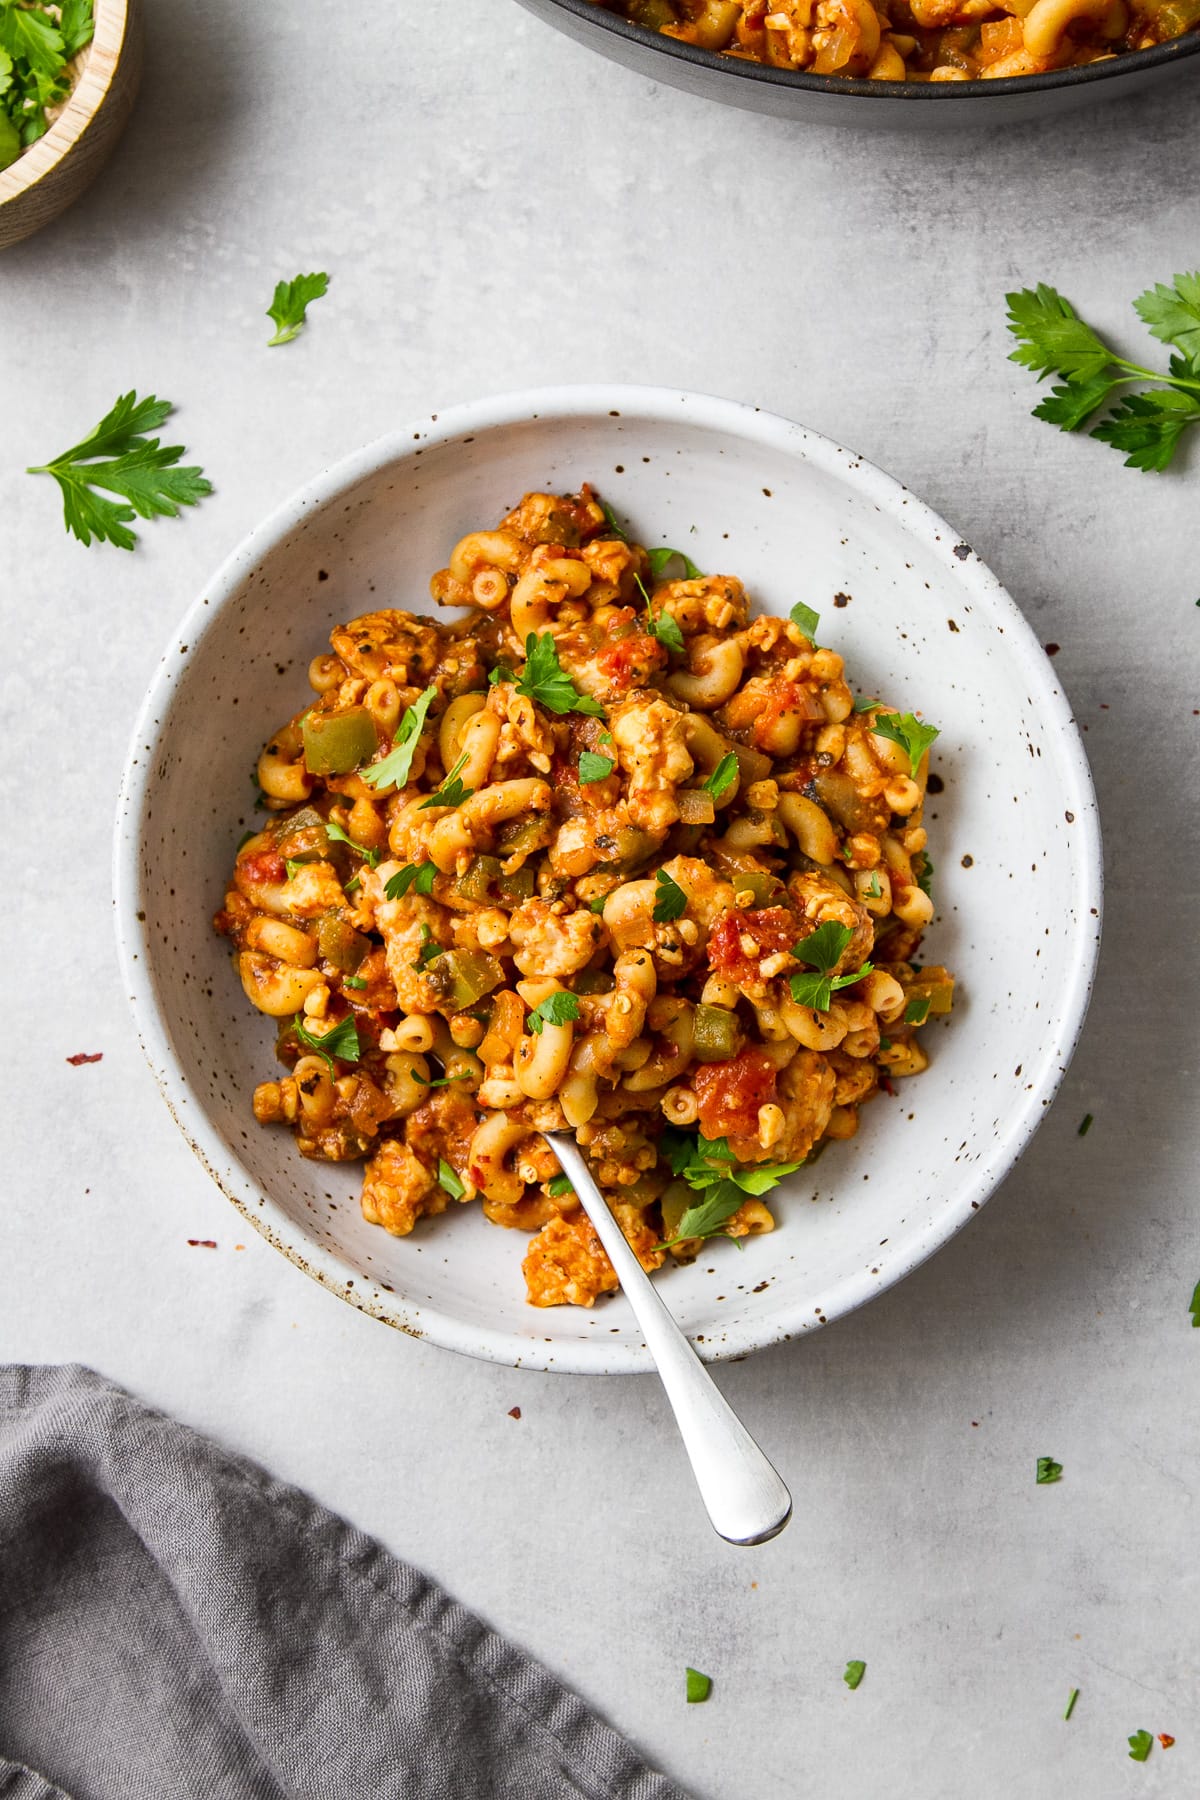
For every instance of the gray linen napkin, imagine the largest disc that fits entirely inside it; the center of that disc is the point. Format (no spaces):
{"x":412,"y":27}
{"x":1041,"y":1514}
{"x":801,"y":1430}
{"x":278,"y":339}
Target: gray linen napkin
{"x":176,"y":1623}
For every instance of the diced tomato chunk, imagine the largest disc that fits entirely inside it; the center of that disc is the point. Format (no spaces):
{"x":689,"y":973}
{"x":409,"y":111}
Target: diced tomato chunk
{"x":730,"y":1093}
{"x":262,"y":866}
{"x":784,"y":697}
{"x":630,"y":661}
{"x":771,"y":929}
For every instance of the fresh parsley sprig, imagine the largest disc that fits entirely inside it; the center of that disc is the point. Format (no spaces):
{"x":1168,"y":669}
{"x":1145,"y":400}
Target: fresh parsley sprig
{"x":395,"y":767}
{"x":448,"y":1178}
{"x":289,"y":309}
{"x":119,"y":457}
{"x":36,"y":47}
{"x":452,"y":792}
{"x":594,"y":767}
{"x":370,"y":857}
{"x":723,"y":777}
{"x":821,"y":952}
{"x":670,"y":901}
{"x":1048,"y":1471}
{"x":906,"y":729}
{"x":545,"y":680}
{"x":708,"y":1165}
{"x":661,"y":558}
{"x":806,"y":619}
{"x":1053,"y":340}
{"x":342,"y":1042}
{"x":561,"y":1008}
{"x":661,"y":624}
{"x":417,"y":876}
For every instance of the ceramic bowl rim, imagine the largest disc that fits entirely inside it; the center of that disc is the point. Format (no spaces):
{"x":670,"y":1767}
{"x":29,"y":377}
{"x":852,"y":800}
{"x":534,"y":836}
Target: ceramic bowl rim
{"x":930,"y":93}
{"x":659,"y":405}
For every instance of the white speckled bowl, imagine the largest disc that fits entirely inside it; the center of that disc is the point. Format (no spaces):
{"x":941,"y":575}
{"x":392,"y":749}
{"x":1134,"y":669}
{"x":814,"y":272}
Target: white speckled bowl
{"x":921,"y":622}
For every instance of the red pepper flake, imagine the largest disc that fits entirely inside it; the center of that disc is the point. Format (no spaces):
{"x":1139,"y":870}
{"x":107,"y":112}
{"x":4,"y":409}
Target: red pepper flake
{"x":203,"y":1243}
{"x":1165,"y":1740}
{"x":514,"y":1412}
{"x":81,"y":1056}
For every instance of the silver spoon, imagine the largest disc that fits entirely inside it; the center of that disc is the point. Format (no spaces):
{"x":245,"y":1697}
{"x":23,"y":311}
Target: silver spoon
{"x":742,"y":1494}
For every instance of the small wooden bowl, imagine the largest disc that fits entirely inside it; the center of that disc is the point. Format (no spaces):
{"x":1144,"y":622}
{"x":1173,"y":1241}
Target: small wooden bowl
{"x":54,"y":171}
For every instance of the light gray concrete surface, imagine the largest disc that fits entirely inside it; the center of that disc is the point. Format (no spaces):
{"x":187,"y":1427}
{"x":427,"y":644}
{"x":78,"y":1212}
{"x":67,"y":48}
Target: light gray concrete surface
{"x":497,"y":208}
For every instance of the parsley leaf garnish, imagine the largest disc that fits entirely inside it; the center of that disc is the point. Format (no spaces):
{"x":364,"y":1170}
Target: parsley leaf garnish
{"x":907,"y":731}
{"x":1148,"y":424}
{"x":593,"y":767}
{"x":394,"y":768}
{"x":121,"y":458}
{"x":448,"y":1179}
{"x":1048,"y":1470}
{"x":661,"y":625}
{"x":1194,"y":1305}
{"x":723,"y":776}
{"x":863,"y":704}
{"x":708,"y":1165}
{"x":1140,"y":1745}
{"x":341,"y":1042}
{"x":76,"y":25}
{"x":417,"y":876}
{"x":670,"y":901}
{"x":1072,"y":1697}
{"x":822,"y":950}
{"x":452,"y":792}
{"x":925,"y":874}
{"x":611,"y":518}
{"x":854,"y":1674}
{"x":559,"y":1187}
{"x":699,"y":1687}
{"x":917,"y":1011}
{"x":658,"y":560}
{"x":806,"y":619}
{"x":370,"y":857}
{"x":545,"y":680}
{"x":289,"y":308}
{"x":430,"y":948}
{"x":353,"y":981}
{"x":442,"y":1080}
{"x":555,"y":1009}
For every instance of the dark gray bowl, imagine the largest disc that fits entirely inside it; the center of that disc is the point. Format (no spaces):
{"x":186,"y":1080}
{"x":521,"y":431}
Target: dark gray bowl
{"x":823,"y":99}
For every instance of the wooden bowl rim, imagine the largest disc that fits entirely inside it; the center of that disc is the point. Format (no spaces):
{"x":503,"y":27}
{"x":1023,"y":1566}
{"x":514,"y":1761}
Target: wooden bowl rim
{"x":87,"y":97}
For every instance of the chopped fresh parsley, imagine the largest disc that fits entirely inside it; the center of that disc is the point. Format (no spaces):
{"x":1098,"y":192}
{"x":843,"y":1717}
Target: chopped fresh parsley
{"x":341,"y":1042}
{"x":448,"y":1179}
{"x":1048,"y":1470}
{"x":430,"y":948}
{"x":708,"y":1165}
{"x":417,"y":876}
{"x":545,"y":680}
{"x":670,"y":901}
{"x":659,"y":559}
{"x":854,"y":1674}
{"x":289,"y":308}
{"x":442,"y":1080}
{"x":120,"y":457}
{"x":1072,"y":1697}
{"x":593,"y":767}
{"x":395,"y":767}
{"x":596,"y":903}
{"x":1140,"y":1745}
{"x":452,"y":792}
{"x":559,"y":1187}
{"x":353,"y":981}
{"x":822,"y":951}
{"x":661,"y":624}
{"x":556,"y":1009}
{"x":907,"y":731}
{"x":370,"y":857}
{"x":611,"y":518}
{"x":699,"y":1687}
{"x":1148,"y":424}
{"x":1194,"y":1305}
{"x":863,"y":704}
{"x":35,"y":49}
{"x":723,"y":776}
{"x":806,"y":619}
{"x":1085,"y":1125}
{"x":873,"y":889}
{"x":925,"y":874}
{"x":293,"y":867}
{"x":917,"y":1011}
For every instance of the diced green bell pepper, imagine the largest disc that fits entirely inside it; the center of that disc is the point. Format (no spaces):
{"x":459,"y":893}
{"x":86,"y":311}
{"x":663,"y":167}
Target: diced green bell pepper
{"x":335,"y":743}
{"x":340,"y":944}
{"x":464,"y":976}
{"x":716,"y":1034}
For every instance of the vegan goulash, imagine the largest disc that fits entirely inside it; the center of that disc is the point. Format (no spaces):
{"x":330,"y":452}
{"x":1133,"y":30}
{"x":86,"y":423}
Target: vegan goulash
{"x":601,"y":854}
{"x":917,"y":40}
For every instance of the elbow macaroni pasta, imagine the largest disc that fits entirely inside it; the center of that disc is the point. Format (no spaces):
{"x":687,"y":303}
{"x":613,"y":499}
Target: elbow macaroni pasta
{"x":917,"y":40}
{"x":498,"y":961}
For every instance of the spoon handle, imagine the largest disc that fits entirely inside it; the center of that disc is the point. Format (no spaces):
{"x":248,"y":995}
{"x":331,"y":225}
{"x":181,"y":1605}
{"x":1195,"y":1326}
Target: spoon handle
{"x":744,"y":1496}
